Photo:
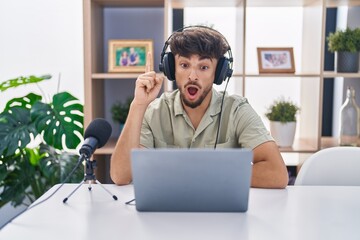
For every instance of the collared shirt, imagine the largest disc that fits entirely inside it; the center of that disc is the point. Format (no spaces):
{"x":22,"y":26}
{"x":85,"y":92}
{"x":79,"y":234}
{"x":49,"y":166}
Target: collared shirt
{"x":166,"y":124}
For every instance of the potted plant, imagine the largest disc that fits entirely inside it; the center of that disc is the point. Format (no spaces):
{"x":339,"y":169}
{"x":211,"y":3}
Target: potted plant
{"x":346,"y":43}
{"x":34,"y":135}
{"x":282,"y":116}
{"x":120,"y":110}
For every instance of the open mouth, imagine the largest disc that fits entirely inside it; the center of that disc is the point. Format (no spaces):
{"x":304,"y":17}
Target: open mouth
{"x":192,"y":91}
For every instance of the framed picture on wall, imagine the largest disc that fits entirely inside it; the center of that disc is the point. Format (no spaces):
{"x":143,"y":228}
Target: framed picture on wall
{"x":129,"y":56}
{"x":276,"y":60}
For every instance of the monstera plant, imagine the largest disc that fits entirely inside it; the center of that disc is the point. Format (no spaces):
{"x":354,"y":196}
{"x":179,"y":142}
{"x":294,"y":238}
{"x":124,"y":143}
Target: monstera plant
{"x":35,"y":141}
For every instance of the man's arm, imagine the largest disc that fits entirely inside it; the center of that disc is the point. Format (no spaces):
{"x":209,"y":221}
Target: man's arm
{"x":120,"y":170}
{"x":147,"y":88}
{"x":269,"y":170}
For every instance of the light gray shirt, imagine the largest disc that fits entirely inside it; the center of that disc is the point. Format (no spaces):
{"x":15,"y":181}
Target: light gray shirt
{"x":166,"y":124}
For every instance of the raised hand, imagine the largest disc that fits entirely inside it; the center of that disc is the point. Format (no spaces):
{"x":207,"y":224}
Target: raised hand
{"x":148,"y":85}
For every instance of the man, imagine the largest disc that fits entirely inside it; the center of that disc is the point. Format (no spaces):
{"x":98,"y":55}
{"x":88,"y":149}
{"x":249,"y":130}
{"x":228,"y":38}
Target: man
{"x":134,"y":57}
{"x":189,"y":116}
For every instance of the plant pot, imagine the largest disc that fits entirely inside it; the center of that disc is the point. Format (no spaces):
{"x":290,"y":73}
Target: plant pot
{"x":283,"y":133}
{"x":347,"y":62}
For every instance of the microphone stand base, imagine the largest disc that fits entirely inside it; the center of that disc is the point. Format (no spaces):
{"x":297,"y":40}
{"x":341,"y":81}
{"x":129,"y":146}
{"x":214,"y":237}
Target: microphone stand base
{"x":90,"y":177}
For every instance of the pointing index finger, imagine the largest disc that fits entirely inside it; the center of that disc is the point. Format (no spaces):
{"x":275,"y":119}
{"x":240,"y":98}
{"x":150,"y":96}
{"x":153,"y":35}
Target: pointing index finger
{"x":148,"y":62}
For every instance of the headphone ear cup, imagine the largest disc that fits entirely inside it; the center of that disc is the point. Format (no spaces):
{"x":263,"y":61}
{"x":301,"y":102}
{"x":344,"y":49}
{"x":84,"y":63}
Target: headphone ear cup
{"x":222,"y":69}
{"x":169,"y":66}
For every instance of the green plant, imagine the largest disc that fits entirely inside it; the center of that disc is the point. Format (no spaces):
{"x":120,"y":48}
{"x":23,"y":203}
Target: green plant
{"x":33,"y":137}
{"x":120,"y":110}
{"x":282,"y":111}
{"x":344,"y":41}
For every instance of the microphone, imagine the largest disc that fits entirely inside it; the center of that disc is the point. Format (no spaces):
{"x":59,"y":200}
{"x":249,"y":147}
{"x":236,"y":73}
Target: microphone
{"x":96,"y":135}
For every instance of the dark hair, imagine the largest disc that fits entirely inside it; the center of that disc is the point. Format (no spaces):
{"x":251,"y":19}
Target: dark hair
{"x":203,"y":41}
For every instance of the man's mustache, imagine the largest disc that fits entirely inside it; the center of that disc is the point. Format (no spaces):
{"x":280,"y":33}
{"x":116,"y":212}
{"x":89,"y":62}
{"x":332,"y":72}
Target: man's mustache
{"x":192,"y":83}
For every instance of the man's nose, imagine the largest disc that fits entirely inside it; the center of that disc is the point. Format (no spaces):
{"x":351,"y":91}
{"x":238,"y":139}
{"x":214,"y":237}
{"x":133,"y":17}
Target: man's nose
{"x":193,"y":74}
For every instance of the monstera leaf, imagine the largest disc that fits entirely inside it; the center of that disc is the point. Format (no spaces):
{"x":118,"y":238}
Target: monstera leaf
{"x":32,"y":172}
{"x":16,"y":129}
{"x":61,"y":119}
{"x":23,"y":102}
{"x":3,"y":171}
{"x":21,"y":81}
{"x":56,"y":167}
{"x":16,"y":184}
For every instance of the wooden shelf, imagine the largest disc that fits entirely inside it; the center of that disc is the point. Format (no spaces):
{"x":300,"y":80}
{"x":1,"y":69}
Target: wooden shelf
{"x":250,"y":3}
{"x":117,"y":75}
{"x":202,"y":3}
{"x":309,"y":146}
{"x":327,"y":142}
{"x":301,"y":146}
{"x":338,"y":3}
{"x":114,"y":75}
{"x":330,"y":74}
{"x":282,"y":3}
{"x":283,"y":75}
{"x":130,"y":3}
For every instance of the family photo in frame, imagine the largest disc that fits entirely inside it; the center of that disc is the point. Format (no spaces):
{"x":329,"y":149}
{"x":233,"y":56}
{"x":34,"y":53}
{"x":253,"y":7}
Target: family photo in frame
{"x":276,"y":60}
{"x":128,"y":56}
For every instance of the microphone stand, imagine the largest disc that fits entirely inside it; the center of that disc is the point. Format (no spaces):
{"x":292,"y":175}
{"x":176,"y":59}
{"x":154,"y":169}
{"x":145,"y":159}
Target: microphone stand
{"x":89,"y":176}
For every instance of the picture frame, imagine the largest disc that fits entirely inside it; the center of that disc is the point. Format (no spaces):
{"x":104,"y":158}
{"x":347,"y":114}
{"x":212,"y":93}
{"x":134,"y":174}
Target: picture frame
{"x":276,"y":60}
{"x":129,"y":56}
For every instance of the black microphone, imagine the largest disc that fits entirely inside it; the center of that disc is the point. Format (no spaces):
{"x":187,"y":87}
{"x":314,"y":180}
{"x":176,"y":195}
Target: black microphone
{"x":96,"y":135}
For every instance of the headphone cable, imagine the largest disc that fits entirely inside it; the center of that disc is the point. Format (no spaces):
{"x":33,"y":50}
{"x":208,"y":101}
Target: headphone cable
{"x":220,"y":114}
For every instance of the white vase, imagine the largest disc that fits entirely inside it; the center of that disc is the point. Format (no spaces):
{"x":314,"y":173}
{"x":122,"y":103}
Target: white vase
{"x":283,"y":133}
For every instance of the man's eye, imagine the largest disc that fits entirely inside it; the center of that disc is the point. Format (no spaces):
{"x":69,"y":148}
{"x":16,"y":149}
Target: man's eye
{"x":184,"y":65}
{"x":204,"y":68}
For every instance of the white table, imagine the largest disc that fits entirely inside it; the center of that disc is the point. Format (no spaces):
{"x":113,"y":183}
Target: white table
{"x":294,"y":213}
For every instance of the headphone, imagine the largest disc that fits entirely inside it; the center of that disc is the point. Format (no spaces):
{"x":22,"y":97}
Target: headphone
{"x":223,"y":68}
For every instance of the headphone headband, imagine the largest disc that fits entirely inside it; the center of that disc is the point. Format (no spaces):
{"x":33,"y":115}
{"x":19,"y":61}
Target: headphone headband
{"x":224,"y":68}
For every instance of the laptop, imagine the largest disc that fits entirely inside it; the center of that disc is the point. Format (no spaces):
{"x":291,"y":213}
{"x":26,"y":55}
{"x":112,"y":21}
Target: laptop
{"x":191,"y":180}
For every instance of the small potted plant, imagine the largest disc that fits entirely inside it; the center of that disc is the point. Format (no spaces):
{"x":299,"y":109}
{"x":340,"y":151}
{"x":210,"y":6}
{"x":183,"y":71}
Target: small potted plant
{"x":346,"y":43}
{"x":282,"y":116}
{"x":120,"y":110}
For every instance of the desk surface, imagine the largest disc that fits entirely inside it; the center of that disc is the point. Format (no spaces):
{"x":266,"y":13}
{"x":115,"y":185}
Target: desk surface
{"x":297,"y":212}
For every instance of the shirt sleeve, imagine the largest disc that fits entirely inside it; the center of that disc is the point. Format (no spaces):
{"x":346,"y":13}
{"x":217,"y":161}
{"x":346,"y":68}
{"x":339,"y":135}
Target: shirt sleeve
{"x":146,"y":135}
{"x":250,"y":129}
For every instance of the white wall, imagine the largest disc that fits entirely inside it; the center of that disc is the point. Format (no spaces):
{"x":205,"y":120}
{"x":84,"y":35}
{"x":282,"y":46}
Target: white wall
{"x":42,"y":37}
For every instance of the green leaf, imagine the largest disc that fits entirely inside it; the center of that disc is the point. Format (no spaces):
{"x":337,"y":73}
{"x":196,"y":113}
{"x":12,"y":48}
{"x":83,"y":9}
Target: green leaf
{"x":24,"y":179}
{"x":67,"y":163}
{"x":347,"y":40}
{"x":3,"y":171}
{"x":120,"y":110}
{"x":62,"y":118}
{"x":23,"y":102}
{"x":18,"y":181}
{"x":282,"y":111}
{"x":21,"y":81}
{"x":49,"y":165}
{"x":56,"y":167}
{"x":15,"y":130}
{"x":34,"y":156}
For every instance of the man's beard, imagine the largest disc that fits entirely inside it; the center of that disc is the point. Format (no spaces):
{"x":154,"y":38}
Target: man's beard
{"x":197,"y":102}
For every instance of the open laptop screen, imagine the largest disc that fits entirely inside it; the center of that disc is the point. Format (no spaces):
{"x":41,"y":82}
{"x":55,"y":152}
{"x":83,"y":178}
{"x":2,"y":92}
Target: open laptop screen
{"x":192,"y":180}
